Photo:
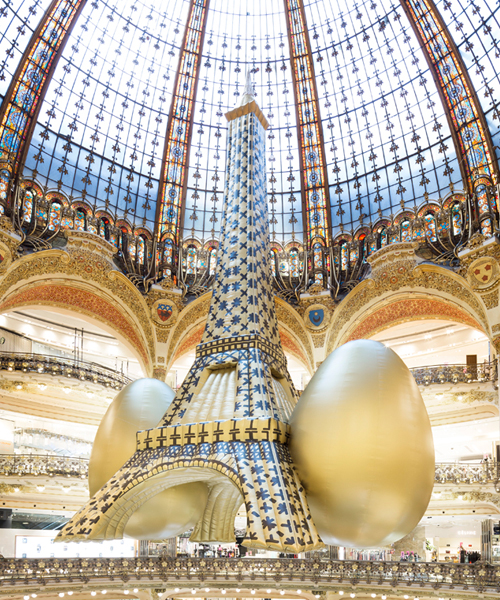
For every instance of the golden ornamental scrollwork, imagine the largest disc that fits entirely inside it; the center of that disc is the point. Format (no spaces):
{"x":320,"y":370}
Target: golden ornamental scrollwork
{"x":393,"y":277}
{"x":81,"y":263}
{"x":189,"y":316}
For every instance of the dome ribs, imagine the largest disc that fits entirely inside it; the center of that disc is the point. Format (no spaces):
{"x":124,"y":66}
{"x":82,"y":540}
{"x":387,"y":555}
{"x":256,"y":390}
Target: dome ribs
{"x":21,"y":105}
{"x":173,"y":180}
{"x":466,"y":119}
{"x":315,"y":191}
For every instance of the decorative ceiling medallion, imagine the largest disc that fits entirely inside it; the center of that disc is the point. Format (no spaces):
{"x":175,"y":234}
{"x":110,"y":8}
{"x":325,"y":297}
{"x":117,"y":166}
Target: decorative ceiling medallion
{"x":317,"y":317}
{"x":164,"y":312}
{"x":483,"y":273}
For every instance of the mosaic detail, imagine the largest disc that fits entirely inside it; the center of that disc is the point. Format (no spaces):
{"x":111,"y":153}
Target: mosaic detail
{"x":464,"y":110}
{"x":30,"y":81}
{"x":236,"y":430}
{"x":312,"y":153}
{"x":180,"y":122}
{"x":231,"y":414}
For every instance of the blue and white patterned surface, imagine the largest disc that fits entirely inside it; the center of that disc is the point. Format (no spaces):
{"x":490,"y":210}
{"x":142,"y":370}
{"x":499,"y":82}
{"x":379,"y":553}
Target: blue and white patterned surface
{"x":242,"y":335}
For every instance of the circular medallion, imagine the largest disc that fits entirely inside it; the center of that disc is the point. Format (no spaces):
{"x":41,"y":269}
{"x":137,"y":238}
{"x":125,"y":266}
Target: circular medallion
{"x":317,"y":317}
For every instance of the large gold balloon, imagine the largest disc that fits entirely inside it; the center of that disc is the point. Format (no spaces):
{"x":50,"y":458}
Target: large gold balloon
{"x":362,"y":443}
{"x":138,"y":406}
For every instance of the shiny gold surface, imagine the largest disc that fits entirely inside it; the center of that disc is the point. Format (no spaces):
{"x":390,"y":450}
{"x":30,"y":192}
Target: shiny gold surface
{"x":169,"y":513}
{"x":362,"y":444}
{"x":141,"y":405}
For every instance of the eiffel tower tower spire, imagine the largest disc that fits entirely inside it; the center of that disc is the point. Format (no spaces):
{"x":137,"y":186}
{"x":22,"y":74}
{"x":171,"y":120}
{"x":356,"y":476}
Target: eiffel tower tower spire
{"x":228,"y":424}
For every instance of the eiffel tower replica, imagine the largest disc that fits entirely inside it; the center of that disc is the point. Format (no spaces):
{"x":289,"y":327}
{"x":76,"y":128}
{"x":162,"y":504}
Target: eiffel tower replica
{"x":228,"y":424}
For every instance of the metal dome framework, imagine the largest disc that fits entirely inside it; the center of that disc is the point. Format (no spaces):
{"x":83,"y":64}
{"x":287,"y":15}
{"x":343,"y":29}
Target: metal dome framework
{"x":112,"y":121}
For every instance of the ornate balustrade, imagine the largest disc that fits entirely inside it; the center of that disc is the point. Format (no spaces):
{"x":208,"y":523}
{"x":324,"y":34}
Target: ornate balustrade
{"x":56,"y":365}
{"x":456,"y":373}
{"x":465,"y":473}
{"x":21,"y":465}
{"x":44,"y":575}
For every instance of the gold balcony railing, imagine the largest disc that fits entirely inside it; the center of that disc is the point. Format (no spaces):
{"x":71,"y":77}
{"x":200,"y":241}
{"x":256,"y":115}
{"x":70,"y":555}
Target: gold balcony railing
{"x":67,"y":367}
{"x":466,"y":473}
{"x":21,"y":465}
{"x":318,"y":576}
{"x":479,"y":373}
{"x":18,"y":465}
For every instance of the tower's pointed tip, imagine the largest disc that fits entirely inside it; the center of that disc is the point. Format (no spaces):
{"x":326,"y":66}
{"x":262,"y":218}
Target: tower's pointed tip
{"x":248,"y":93}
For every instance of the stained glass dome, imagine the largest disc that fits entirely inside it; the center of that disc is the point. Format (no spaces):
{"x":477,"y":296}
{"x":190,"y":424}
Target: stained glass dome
{"x":366,"y":101}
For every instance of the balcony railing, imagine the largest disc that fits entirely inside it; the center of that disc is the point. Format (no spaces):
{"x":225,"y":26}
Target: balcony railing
{"x":456,"y":373}
{"x":67,"y":367}
{"x":465,"y":473}
{"x":32,"y":575}
{"x":19,"y":465}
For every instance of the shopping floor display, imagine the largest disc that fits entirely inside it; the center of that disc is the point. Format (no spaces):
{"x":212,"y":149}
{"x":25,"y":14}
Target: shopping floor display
{"x":228,"y":428}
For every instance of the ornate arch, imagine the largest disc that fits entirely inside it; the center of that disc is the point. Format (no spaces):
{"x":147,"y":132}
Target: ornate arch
{"x":402,"y":288}
{"x":83,"y":279}
{"x":403,"y":309}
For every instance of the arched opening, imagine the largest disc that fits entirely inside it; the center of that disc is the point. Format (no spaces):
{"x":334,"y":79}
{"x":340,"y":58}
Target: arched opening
{"x":55,"y":216}
{"x":80,"y":219}
{"x":455,"y":370}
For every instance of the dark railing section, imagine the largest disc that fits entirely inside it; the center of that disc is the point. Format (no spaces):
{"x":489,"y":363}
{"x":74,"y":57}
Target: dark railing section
{"x":467,"y":473}
{"x":479,"y":373}
{"x":441,"y":228}
{"x":56,"y":365}
{"x":248,"y":573}
{"x":20,"y":465}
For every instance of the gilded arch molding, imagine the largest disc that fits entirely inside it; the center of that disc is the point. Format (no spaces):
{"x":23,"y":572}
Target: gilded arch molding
{"x":397,"y":275}
{"x":81,"y":279}
{"x":403,"y":309}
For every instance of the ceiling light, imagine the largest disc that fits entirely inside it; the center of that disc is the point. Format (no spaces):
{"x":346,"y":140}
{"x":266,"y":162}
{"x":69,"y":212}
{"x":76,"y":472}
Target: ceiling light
{"x":383,"y":597}
{"x":299,"y":591}
{"x":33,"y":595}
{"x":374,"y":595}
{"x":282,"y":592}
{"x":70,"y":593}
{"x":26,"y":598}
{"x":252,"y":591}
{"x":352,"y":594}
{"x":238,"y":590}
{"x":93,"y":593}
{"x":223,"y":591}
{"x":193,"y":591}
{"x":125,"y":592}
{"x":207,"y":589}
{"x":61,"y":594}
{"x":176,"y":590}
{"x":40,"y":488}
{"x":135,"y":590}
{"x":268,"y":591}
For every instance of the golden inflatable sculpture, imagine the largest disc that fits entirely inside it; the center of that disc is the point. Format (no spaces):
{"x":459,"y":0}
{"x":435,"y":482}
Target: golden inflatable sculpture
{"x":359,"y":436}
{"x":140,"y":405}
